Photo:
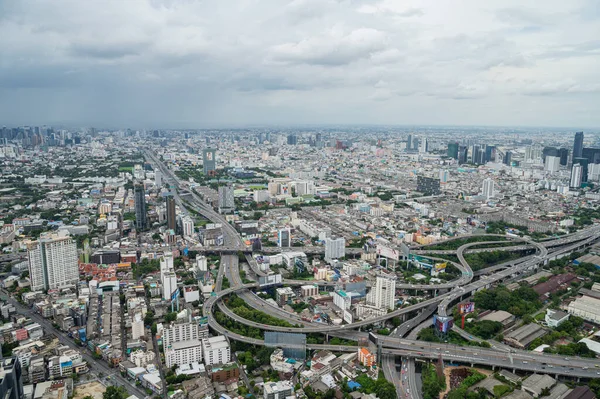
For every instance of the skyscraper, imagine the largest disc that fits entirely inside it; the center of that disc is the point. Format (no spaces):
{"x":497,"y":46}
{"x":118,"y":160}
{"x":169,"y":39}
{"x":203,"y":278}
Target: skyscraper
{"x":158,"y":178}
{"x":409,"y":142}
{"x":383,"y":295}
{"x":226,"y":199}
{"x":453,"y":150}
{"x":335,"y":248}
{"x":140,"y":206}
{"x":552,"y":163}
{"x":52,"y":263}
{"x":463,"y":153}
{"x":11,"y":381}
{"x":284,"y":238}
{"x":576,"y":176}
{"x":490,"y":153}
{"x":171,"y":220}
{"x":487,"y":188}
{"x":292,"y":139}
{"x":209,"y":161}
{"x":584,"y":165}
{"x":424,"y":146}
{"x":563,"y":153}
{"x":578,"y":145}
{"x":507,"y":158}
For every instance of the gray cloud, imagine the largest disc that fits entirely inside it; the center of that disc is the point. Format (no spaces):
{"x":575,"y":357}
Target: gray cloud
{"x":183,"y":62}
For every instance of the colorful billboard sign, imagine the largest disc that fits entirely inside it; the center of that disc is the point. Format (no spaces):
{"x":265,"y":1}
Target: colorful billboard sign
{"x":387,"y":252}
{"x":442,"y":324}
{"x":467,"y":307}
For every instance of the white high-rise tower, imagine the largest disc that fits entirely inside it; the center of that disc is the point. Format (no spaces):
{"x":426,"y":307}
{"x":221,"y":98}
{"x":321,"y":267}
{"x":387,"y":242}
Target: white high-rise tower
{"x":487,"y":189}
{"x":383,"y":295}
{"x":52,"y":263}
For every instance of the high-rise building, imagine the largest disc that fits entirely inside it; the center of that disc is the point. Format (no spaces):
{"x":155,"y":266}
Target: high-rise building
{"x":563,"y":153}
{"x":187,"y":226}
{"x":428,"y":185}
{"x":424,"y":146}
{"x":463,"y":154}
{"x":284,"y":238}
{"x":216,"y":350}
{"x":444,"y":176}
{"x":209,"y":161}
{"x":409,"y":142}
{"x":335,"y":248}
{"x":507,"y":158}
{"x":576,"y":176}
{"x":140,"y":207}
{"x":578,"y":145}
{"x":584,"y":164}
{"x":453,"y":150}
{"x":487,"y":188}
{"x":552,"y":163}
{"x":158,"y":178}
{"x":490,"y":153}
{"x":292,"y":139}
{"x":52,"y":263}
{"x":169,"y":285}
{"x":533,"y":154}
{"x":171,"y":218}
{"x":226,"y":199}
{"x":166,"y":264}
{"x":182,"y":343}
{"x":11,"y":379}
{"x":383,"y":294}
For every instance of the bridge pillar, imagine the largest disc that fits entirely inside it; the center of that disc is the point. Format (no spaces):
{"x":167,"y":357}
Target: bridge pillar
{"x":493,"y":368}
{"x":472,"y":365}
{"x":327,"y":338}
{"x":514,"y":371}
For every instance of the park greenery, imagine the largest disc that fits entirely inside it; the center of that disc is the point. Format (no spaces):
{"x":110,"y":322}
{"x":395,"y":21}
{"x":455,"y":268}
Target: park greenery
{"x":429,"y":335}
{"x":240,"y":308}
{"x":432,"y":383}
{"x":381,"y":387}
{"x":522,"y":301}
{"x":455,"y":244}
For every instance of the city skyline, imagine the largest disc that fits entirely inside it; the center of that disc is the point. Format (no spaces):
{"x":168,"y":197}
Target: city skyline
{"x":186,"y":64}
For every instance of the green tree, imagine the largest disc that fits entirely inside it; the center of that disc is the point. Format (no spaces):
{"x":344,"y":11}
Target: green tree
{"x":115,"y":392}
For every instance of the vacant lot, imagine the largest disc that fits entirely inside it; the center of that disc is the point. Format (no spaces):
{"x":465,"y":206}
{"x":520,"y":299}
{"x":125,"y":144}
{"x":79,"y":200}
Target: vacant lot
{"x":94,"y":389}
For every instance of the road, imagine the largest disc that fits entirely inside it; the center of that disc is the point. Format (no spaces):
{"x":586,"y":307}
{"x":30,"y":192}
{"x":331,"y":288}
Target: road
{"x":93,"y":364}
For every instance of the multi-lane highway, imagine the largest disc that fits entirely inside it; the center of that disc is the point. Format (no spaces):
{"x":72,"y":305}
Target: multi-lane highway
{"x":395,"y":344}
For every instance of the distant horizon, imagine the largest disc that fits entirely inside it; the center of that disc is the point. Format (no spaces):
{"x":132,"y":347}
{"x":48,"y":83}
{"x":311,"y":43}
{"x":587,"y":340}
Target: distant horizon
{"x":585,"y":129}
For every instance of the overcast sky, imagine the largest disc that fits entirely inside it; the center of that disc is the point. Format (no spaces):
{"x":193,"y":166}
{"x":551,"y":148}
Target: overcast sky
{"x":187,"y":63}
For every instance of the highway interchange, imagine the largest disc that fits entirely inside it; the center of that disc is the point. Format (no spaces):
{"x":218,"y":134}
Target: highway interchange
{"x":395,"y":345}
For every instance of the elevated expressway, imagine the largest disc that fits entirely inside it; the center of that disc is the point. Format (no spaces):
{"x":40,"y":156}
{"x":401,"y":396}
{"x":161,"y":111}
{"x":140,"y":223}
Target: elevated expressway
{"x":409,"y":348}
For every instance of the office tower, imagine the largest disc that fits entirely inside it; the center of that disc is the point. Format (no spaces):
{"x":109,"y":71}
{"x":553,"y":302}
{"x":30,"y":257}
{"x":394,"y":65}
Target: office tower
{"x":576,"y":176}
{"x":549,"y":151}
{"x":415,"y":142}
{"x":292,"y":139}
{"x":591,"y":154}
{"x":552,"y":163}
{"x":578,"y":145}
{"x":157,"y":178}
{"x":584,"y":165}
{"x":383,"y":295}
{"x":409,"y":142}
{"x":428,"y":185}
{"x":171,"y":218}
{"x":507,"y":158}
{"x":487,"y":189}
{"x":284,"y":238}
{"x":444,"y":175}
{"x":140,"y":207}
{"x":490,"y":153}
{"x":226,"y":199}
{"x":209,"y":161}
{"x":202,"y":263}
{"x":563,"y":153}
{"x":453,"y":150}
{"x":52,"y":263}
{"x":463,"y":154}
{"x":335,"y":248}
{"x":11,"y":379}
{"x":424,"y":146}
{"x":169,"y":285}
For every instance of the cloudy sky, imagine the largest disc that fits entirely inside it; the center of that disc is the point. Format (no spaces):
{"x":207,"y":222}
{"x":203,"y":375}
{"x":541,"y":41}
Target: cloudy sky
{"x":199,"y":63}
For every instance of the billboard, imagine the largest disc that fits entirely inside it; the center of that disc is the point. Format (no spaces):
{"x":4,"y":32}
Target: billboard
{"x":467,"y":307}
{"x":422,"y":261}
{"x":405,"y":249}
{"x":440,"y":267}
{"x":387,"y":252}
{"x":271,"y":279}
{"x":219,"y":240}
{"x":347,"y":317}
{"x":442,"y":324}
{"x":203,"y":320}
{"x":262,"y":259}
{"x":175,"y":295}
